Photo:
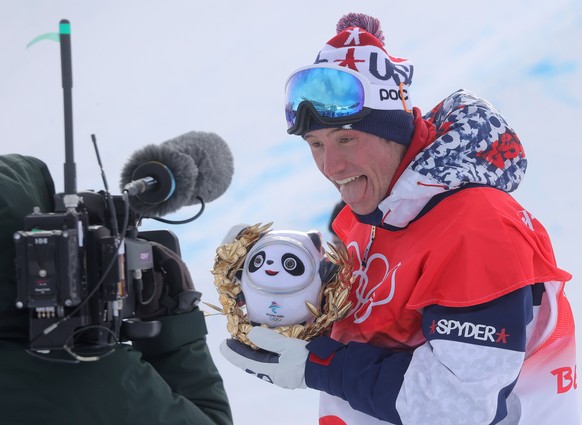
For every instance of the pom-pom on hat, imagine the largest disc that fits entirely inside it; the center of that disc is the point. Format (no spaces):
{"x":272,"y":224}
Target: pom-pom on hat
{"x":359,"y":46}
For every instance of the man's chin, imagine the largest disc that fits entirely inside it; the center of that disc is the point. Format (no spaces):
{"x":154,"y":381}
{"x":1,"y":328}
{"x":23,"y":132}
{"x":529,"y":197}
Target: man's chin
{"x":360,"y":208}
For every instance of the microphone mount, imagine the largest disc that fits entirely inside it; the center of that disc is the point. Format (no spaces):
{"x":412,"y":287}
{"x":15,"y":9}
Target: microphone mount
{"x":152,"y":183}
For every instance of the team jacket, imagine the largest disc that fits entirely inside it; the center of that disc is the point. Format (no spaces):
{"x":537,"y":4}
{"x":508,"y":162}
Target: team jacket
{"x":458,"y":311}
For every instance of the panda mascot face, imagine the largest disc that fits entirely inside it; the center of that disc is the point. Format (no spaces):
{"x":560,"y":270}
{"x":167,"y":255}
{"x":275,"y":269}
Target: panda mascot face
{"x":280,"y":273}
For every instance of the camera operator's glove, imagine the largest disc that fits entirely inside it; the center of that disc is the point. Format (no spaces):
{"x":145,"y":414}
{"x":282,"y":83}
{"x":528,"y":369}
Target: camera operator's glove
{"x":168,"y":287}
{"x":281,"y":360}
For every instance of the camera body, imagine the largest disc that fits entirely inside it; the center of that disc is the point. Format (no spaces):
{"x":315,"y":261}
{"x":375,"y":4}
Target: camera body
{"x":77,"y":276}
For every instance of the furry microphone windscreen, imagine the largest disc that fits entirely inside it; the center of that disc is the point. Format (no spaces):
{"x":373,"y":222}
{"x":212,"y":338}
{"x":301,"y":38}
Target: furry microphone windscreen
{"x":200,"y":165}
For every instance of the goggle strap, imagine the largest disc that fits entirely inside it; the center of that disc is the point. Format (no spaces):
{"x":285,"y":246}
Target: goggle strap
{"x":307,"y":112}
{"x":402,"y":98}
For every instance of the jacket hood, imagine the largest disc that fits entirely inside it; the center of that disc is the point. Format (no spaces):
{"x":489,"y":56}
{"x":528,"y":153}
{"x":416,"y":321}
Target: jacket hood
{"x":462,"y":141}
{"x":25,"y":183}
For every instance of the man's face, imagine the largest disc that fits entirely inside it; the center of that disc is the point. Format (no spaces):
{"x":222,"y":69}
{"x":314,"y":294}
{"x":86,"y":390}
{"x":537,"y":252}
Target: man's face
{"x":359,"y":164}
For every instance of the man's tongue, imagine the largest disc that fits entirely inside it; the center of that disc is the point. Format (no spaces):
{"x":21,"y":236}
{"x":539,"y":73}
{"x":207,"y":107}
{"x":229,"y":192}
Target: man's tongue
{"x":353,"y":191}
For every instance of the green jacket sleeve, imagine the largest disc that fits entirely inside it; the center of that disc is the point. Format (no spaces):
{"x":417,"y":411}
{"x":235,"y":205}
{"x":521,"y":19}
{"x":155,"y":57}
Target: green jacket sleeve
{"x":181,"y":356}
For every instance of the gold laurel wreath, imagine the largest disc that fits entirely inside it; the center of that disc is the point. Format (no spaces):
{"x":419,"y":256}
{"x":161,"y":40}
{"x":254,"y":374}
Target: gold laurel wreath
{"x":229,"y":260}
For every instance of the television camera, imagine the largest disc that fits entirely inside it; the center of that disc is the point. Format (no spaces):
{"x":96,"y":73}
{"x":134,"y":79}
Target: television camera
{"x":80,"y":268}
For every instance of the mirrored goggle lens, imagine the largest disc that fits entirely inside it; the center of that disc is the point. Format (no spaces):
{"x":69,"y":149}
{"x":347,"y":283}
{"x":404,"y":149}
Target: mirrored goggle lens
{"x":332,"y":93}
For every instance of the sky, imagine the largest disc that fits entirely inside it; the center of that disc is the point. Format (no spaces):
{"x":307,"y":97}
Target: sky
{"x":145,"y":72}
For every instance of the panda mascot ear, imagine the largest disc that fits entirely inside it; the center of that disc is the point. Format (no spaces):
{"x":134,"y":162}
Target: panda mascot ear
{"x":316,"y":238}
{"x":327,"y":270}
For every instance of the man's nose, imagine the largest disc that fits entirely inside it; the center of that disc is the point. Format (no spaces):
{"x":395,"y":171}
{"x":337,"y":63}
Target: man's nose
{"x":333,"y":161}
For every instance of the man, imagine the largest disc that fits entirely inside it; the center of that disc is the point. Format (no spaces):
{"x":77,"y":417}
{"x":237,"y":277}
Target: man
{"x":168,"y":379}
{"x":458,"y":311}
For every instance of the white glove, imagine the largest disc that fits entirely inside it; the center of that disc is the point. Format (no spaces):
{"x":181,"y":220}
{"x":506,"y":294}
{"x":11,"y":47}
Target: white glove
{"x":282,"y":364}
{"x":233,"y":232}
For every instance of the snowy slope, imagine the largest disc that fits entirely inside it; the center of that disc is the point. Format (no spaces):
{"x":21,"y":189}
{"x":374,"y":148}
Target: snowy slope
{"x":145,"y":72}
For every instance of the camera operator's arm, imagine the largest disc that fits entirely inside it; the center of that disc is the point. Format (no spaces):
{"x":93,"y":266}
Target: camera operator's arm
{"x":180,"y":353}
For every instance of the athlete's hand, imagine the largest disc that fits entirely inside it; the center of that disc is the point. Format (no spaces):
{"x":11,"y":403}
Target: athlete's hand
{"x":281,"y":360}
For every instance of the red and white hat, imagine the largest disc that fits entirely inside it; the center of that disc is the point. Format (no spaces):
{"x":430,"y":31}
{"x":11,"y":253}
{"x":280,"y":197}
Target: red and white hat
{"x":359,"y":46}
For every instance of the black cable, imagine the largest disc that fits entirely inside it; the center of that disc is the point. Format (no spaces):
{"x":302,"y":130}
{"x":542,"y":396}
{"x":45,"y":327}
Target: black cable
{"x":188,"y":220}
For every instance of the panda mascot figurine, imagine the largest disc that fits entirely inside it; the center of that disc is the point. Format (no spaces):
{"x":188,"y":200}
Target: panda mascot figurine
{"x":280,"y":273}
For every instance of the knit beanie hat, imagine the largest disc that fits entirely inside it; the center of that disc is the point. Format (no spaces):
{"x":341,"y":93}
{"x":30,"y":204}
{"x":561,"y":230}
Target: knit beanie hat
{"x":359,"y":45}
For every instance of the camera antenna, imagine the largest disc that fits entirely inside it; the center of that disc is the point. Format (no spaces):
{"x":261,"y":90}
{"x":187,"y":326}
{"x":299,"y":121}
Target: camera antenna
{"x":115,"y":225}
{"x":67,"y":79}
{"x":70,"y":199}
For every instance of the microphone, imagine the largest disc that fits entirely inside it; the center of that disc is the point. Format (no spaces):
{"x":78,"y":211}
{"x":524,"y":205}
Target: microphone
{"x":161,"y":179}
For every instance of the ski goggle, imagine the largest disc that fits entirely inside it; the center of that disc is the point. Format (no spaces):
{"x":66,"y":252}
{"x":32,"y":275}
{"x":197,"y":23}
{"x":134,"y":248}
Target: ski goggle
{"x":335,"y":96}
